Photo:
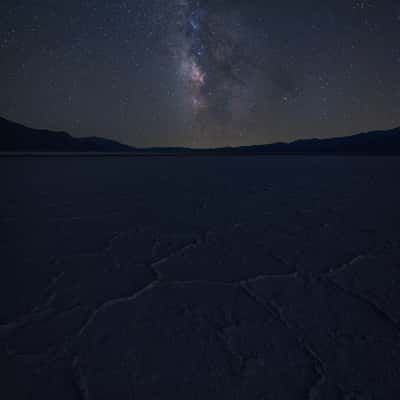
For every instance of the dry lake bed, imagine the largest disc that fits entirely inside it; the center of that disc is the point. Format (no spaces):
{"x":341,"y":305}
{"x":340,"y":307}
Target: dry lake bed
{"x":200,"y":278}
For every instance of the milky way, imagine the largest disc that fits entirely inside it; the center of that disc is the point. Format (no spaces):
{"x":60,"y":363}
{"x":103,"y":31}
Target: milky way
{"x":191,"y":53}
{"x":215,"y":67}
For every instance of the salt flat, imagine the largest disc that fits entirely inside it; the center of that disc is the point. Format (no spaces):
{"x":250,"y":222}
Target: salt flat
{"x":200,"y":278}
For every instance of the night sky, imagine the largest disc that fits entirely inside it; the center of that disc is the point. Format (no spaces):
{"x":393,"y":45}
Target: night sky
{"x":201,"y":72}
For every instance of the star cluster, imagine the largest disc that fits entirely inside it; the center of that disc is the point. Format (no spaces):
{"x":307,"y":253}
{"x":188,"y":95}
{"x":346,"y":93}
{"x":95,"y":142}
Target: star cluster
{"x":201,"y":72}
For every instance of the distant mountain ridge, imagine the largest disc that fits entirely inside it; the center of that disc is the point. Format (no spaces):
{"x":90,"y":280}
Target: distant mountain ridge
{"x":18,"y":138}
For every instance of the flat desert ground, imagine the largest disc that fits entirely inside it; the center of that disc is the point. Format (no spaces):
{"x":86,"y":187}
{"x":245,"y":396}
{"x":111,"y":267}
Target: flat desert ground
{"x":200,"y":278}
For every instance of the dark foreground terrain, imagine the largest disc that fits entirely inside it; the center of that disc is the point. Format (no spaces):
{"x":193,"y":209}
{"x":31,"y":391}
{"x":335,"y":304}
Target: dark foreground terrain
{"x":200,"y":278}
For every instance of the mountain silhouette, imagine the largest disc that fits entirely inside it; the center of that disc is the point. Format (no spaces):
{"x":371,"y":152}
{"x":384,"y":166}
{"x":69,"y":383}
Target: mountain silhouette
{"x":18,"y":138}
